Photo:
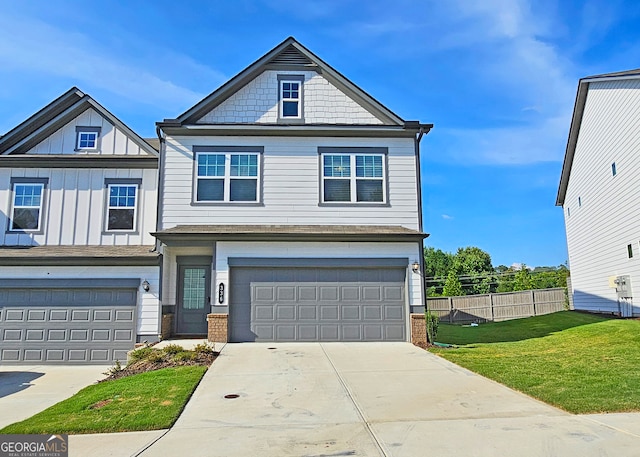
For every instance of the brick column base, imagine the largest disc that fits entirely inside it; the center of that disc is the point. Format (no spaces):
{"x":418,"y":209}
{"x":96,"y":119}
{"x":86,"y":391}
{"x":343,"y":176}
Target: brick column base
{"x":167,"y":326}
{"x":217,"y":328}
{"x":418,"y":330}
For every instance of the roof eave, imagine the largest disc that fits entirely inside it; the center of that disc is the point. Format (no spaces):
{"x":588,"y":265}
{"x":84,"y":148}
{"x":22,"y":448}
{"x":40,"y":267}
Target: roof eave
{"x":574,"y":130}
{"x":178,"y":238}
{"x":372,"y":130}
{"x":80,"y":261}
{"x":48,"y":121}
{"x":32,"y":122}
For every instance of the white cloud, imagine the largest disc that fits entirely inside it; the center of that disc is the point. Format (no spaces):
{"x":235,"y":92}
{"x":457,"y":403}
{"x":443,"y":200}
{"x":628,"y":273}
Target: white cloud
{"x":447,"y":217}
{"x":520,"y":64}
{"x":542,"y":141}
{"x":34,"y":46}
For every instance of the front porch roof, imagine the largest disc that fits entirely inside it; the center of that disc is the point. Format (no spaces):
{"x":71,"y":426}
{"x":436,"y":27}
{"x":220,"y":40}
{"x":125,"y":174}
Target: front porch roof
{"x":77,"y":255}
{"x":208,"y":233}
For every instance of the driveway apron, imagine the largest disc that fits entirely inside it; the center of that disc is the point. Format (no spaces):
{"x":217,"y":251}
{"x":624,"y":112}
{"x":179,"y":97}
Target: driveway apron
{"x":370,"y":399}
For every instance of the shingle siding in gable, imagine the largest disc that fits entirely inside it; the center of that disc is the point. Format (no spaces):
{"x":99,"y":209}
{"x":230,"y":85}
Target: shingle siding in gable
{"x":599,"y":230}
{"x":257,"y":102}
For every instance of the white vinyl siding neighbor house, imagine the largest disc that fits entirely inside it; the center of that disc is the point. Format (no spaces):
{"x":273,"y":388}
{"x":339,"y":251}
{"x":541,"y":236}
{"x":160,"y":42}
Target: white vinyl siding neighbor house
{"x":294,"y":197}
{"x":599,"y":190}
{"x":78,"y":200}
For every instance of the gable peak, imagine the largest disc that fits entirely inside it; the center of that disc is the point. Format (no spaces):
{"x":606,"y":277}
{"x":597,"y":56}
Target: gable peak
{"x":290,"y":55}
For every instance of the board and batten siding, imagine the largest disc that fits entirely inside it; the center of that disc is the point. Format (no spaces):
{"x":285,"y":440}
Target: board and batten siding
{"x":148,"y":306}
{"x":291,"y":184}
{"x":75,"y":207}
{"x":608,"y":218}
{"x":112,"y":140}
{"x":257,"y":102}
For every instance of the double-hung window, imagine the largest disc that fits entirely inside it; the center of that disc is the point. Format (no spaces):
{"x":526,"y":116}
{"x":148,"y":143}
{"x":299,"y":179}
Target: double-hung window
{"x":88,"y":138}
{"x":290,"y":97}
{"x":227,"y":174}
{"x":353,"y":177}
{"x":28,"y":199}
{"x":122,"y":204}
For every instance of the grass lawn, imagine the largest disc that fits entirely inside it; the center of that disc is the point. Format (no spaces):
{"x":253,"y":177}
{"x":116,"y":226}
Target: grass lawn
{"x":578,"y":362}
{"x":146,"y":401}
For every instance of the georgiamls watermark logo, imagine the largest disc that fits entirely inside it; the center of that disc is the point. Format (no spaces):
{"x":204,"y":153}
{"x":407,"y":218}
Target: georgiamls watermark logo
{"x":34,"y":445}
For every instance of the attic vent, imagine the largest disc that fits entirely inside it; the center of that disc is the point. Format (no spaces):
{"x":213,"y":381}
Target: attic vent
{"x":290,"y":56}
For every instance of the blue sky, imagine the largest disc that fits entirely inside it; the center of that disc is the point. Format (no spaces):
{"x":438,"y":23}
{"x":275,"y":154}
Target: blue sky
{"x":497,"y":78}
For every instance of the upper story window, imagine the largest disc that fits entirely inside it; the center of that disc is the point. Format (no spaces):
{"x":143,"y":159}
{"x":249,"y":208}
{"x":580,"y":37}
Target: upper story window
{"x":27,"y":208}
{"x":122,"y":203}
{"x":88,"y":138}
{"x":227,"y":174}
{"x":290,"y":97}
{"x":613,"y":169}
{"x":353,"y":175}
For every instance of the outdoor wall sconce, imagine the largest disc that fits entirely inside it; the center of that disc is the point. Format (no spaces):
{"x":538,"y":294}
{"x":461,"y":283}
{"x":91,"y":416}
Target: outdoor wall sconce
{"x":415,"y":267}
{"x":145,"y":285}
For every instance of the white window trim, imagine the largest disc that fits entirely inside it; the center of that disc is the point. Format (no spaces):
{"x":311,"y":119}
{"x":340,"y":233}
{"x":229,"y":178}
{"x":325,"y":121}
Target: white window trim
{"x":42,"y":183}
{"x":88,"y":130}
{"x":227,"y":178}
{"x":353,"y":178}
{"x":95,"y":140}
{"x":297,"y":100}
{"x":134,"y":207}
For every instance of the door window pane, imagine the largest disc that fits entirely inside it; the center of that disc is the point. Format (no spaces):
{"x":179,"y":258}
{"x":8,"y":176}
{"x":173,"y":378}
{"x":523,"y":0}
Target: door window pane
{"x":194,"y":288}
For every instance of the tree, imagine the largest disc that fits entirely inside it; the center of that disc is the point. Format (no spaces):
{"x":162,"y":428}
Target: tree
{"x":522,"y":279}
{"x":474,"y":265}
{"x":452,"y":286}
{"x":437,"y":265}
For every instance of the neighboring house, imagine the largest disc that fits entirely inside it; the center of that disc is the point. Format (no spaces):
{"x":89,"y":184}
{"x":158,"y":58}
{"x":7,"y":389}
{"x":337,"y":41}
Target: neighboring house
{"x":599,"y":192}
{"x":290,"y":209}
{"x":78,"y":200}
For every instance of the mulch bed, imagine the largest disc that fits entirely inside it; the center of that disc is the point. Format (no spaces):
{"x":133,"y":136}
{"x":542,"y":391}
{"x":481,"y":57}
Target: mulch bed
{"x":142,"y":366}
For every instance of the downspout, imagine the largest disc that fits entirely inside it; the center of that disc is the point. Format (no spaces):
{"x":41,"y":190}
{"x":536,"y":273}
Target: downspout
{"x":161,"y":139}
{"x":161,"y":153}
{"x":417,"y":140}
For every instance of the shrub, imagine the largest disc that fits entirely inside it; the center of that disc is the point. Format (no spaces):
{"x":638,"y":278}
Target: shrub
{"x":204,"y":348}
{"x":140,"y":354}
{"x":185,"y":356}
{"x":156,"y":356}
{"x":116,"y":368}
{"x":432,"y":326}
{"x":173,"y":349}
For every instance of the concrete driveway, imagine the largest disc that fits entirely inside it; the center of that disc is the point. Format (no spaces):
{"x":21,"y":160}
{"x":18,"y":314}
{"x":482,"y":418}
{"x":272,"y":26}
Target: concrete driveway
{"x":365,"y":399}
{"x":28,"y":389}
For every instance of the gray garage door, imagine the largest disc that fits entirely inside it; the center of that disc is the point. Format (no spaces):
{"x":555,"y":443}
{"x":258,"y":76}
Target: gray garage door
{"x":317,"y":304}
{"x":55,"y":323}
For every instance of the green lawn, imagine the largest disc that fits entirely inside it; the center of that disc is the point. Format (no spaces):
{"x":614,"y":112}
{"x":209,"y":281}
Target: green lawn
{"x":146,"y":401}
{"x":578,"y":362}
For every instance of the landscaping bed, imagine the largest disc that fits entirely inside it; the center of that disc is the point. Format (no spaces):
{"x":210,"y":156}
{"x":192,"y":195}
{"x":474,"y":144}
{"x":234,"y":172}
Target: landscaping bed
{"x":149,"y":358}
{"x":148,"y":394}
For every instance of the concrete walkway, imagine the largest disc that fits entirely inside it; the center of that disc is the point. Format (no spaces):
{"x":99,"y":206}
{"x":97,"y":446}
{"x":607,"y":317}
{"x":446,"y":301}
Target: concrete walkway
{"x":371,"y":400}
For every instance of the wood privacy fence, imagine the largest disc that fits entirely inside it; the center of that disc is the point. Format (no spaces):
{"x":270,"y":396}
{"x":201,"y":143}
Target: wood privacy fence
{"x":498,"y":307}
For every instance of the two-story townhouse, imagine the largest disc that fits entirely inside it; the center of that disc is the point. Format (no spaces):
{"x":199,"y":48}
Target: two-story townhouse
{"x":599,"y":191}
{"x":290,"y":209}
{"x":79,"y":277}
